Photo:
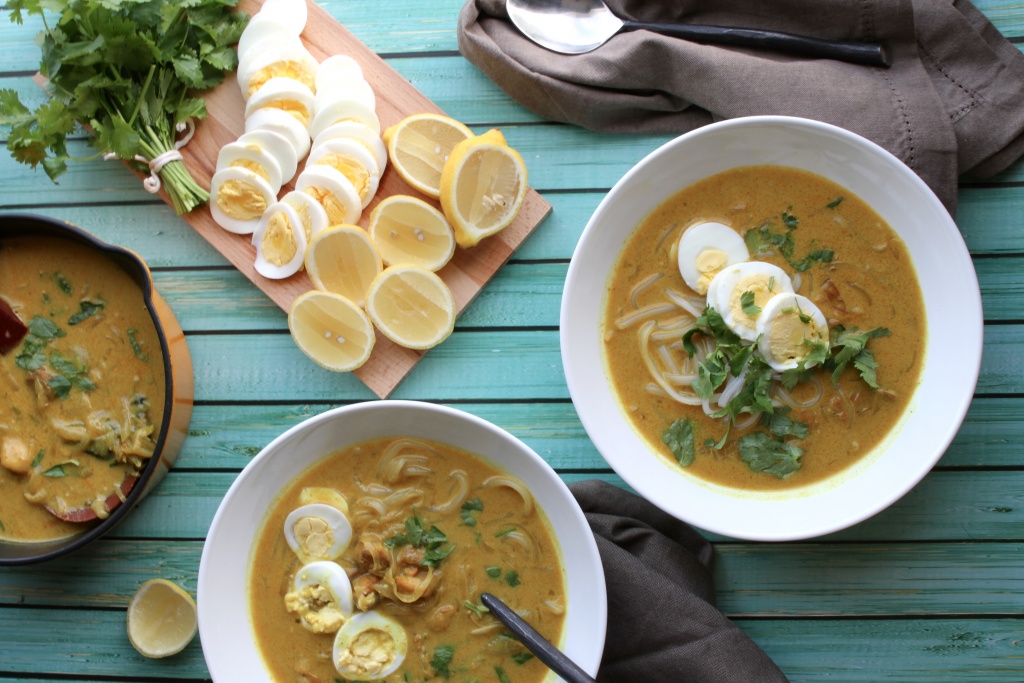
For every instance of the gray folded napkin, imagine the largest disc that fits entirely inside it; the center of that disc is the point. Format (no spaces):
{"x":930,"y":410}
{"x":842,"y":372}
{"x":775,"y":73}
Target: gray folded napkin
{"x":951,"y":104}
{"x":662,"y":621}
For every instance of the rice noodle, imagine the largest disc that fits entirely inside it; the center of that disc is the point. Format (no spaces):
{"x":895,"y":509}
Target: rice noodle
{"x":788,"y":399}
{"x":644,"y":313}
{"x":733,"y":386}
{"x":653,"y":388}
{"x":500,"y":480}
{"x":680,"y":380}
{"x":553,"y":606}
{"x":684,"y":302}
{"x":403,"y":497}
{"x":459,"y":490}
{"x":664,"y":236}
{"x":667,"y":359}
{"x":798,"y":280}
{"x":747,"y":421}
{"x":644,"y":334}
{"x":641,"y":286}
{"x":484,"y":630}
{"x":395,"y":464}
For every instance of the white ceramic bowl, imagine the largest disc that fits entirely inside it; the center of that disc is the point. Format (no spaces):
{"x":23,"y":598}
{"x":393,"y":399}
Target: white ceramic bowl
{"x":224,"y":624}
{"x":951,"y":297}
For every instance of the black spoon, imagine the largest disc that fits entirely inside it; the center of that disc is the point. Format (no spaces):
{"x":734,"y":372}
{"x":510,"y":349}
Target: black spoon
{"x":554,"y":658}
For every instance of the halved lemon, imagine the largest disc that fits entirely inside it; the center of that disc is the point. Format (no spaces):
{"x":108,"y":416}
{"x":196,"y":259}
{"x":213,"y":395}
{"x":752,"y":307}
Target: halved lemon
{"x":420,"y":144}
{"x":408,"y":230}
{"x":483,"y":185}
{"x":162,"y":619}
{"x":411,"y":306}
{"x":342,"y":259}
{"x":332,"y":330}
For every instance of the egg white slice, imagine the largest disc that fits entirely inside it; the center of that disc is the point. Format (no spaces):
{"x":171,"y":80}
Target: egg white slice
{"x":332,"y":190}
{"x":317,"y":532}
{"x":369,"y":632}
{"x":282,"y":123}
{"x":353,"y":160}
{"x":335,"y":68}
{"x":292,"y":60}
{"x":238,"y":198}
{"x":311,"y":213}
{"x":343,"y":110}
{"x":726,"y":291}
{"x":286,"y":94}
{"x":346,"y":89}
{"x":250,"y":156}
{"x":320,"y":612}
{"x":277,"y":146}
{"x":290,"y":14}
{"x":280,"y":241}
{"x":260,"y":28}
{"x":789,"y":327}
{"x":270,"y":42}
{"x":357,"y":131}
{"x":704,"y":249}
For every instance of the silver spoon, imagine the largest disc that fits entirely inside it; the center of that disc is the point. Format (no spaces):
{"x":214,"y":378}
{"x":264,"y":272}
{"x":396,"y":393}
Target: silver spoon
{"x":578,"y":26}
{"x":554,"y":658}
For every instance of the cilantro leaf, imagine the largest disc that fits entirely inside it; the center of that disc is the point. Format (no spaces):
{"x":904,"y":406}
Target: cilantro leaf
{"x":468,"y":508}
{"x":88,"y":308}
{"x":762,"y":453}
{"x":442,"y":660}
{"x":748,"y":305}
{"x":679,"y":439}
{"x":851,"y":345}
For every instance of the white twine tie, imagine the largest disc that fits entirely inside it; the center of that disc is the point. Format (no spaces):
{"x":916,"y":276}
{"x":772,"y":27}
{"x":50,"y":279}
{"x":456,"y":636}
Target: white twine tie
{"x":152,"y":183}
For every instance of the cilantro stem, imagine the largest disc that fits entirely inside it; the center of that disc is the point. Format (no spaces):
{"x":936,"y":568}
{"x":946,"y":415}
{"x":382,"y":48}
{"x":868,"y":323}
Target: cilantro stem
{"x":142,"y":93}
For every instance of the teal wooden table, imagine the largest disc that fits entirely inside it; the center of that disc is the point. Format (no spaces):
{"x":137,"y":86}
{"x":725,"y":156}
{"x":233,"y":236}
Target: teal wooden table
{"x":930,"y":590}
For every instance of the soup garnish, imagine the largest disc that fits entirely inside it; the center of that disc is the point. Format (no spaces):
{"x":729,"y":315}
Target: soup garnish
{"x":745,"y":322}
{"x":393,"y":592}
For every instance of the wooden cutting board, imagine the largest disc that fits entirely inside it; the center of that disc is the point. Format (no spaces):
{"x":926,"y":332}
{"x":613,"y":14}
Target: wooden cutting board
{"x":468,"y":270}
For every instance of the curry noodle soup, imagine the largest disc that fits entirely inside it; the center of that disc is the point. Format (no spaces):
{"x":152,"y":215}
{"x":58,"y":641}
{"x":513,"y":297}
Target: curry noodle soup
{"x":384,"y":548}
{"x":82,"y":395}
{"x":764,"y":328}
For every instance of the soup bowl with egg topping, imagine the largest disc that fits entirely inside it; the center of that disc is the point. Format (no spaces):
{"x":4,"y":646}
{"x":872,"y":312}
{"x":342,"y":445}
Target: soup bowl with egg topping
{"x":96,"y":383}
{"x":356,"y":545}
{"x":771,"y":328}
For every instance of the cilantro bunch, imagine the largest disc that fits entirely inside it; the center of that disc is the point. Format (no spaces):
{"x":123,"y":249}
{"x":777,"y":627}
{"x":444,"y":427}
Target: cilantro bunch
{"x":126,"y":69}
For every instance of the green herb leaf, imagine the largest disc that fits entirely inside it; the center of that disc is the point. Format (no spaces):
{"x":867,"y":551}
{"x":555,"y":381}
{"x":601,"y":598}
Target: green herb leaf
{"x":521,"y":658}
{"x":851,"y":345}
{"x":433,"y":540}
{"x":762,"y":453}
{"x":62,"y":283}
{"x":763,"y":238}
{"x":88,"y":308}
{"x":502,"y":676}
{"x":493,"y":572}
{"x":512,"y":578}
{"x":38,"y":459}
{"x":442,"y":660}
{"x":136,"y":346}
{"x":468,"y":508}
{"x":44,"y":328}
{"x":476,"y":609}
{"x":782,"y":426}
{"x":748,"y":305}
{"x":679,"y":439}
{"x":835,"y":202}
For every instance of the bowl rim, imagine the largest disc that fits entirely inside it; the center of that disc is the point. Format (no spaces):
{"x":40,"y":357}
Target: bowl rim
{"x":970,"y":334}
{"x":596,"y":604}
{"x":27,"y":224}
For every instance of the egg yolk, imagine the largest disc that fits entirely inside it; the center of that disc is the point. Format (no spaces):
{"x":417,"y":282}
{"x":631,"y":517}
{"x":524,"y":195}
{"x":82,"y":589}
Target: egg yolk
{"x":351,"y":169}
{"x":279,"y":247}
{"x":293,"y":107}
{"x":252,"y":166}
{"x":241,"y":200}
{"x":790,"y":338}
{"x":314,"y":535}
{"x":763,"y":288}
{"x":370,"y":653}
{"x":709,"y":262}
{"x":302,"y":209}
{"x":316,"y":605}
{"x":334,"y":208}
{"x":287,"y":69}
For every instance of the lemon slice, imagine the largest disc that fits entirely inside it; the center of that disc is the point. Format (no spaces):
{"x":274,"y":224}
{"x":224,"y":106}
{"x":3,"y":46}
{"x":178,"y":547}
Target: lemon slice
{"x":408,"y":230}
{"x":332,"y":330}
{"x":411,"y":306}
{"x":343,"y":260}
{"x":483,"y":185}
{"x":419,"y":145}
{"x":162,"y":619}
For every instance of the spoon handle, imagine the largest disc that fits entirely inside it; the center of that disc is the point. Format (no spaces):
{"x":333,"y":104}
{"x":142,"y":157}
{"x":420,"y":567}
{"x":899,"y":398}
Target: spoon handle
{"x":535,"y":642}
{"x":873,"y":54}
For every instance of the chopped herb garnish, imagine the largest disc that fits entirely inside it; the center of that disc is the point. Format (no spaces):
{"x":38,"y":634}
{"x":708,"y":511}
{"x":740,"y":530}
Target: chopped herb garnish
{"x":44,"y":328}
{"x":851,"y":345}
{"x":493,"y":572}
{"x":512,"y":578}
{"x":502,"y":676}
{"x":789,"y":219}
{"x":136,"y":345}
{"x":504,"y":532}
{"x":442,"y":660}
{"x":762,"y":453}
{"x":476,"y":609}
{"x":63,"y":283}
{"x":763,"y":238}
{"x":38,"y":459}
{"x":64,"y":469}
{"x":433,"y":540}
{"x":679,"y":439}
{"x":748,"y":305}
{"x":89,"y":308}
{"x":782,"y":426}
{"x":468,"y":508}
{"x":835,"y":202}
{"x":521,"y":658}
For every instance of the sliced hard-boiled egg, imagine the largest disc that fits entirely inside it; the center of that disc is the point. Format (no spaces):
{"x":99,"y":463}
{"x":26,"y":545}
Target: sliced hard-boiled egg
{"x":357,"y":131}
{"x":291,"y":60}
{"x":343,"y":109}
{"x":791,"y":326}
{"x":321,"y":596}
{"x":322,"y":494}
{"x":263,"y":27}
{"x":317,"y":532}
{"x":275,"y":145}
{"x":369,"y":646}
{"x":337,"y":68}
{"x":704,"y":249}
{"x":333,"y":191}
{"x":238,"y":199}
{"x":286,"y":94}
{"x":353,"y":160}
{"x":310,"y":212}
{"x":254,"y":158}
{"x":290,"y":14}
{"x":349,"y":89}
{"x":280,"y":241}
{"x":739,"y":293}
{"x":282,"y":123}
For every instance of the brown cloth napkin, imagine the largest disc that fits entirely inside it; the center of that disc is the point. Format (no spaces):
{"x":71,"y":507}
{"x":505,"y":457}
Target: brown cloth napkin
{"x":951,"y":104}
{"x":662,"y":621}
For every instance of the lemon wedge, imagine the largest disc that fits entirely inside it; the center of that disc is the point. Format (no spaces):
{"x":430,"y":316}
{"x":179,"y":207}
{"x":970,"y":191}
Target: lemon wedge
{"x":411,"y":306}
{"x":332,"y":330}
{"x":419,"y":145}
{"x":162,"y":619}
{"x":408,"y":230}
{"x":343,"y":260}
{"x":483,"y":185}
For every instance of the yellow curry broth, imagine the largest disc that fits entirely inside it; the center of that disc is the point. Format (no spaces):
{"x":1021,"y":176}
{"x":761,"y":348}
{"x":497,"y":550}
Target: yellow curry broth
{"x":871,"y":271}
{"x":96,"y":385}
{"x":528,"y":578}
